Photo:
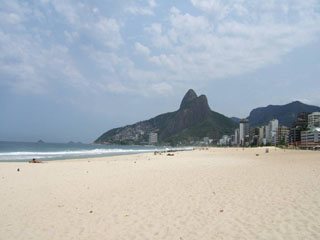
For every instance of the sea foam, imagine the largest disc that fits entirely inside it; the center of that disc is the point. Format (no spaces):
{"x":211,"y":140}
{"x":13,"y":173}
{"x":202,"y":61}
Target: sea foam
{"x":69,"y":154}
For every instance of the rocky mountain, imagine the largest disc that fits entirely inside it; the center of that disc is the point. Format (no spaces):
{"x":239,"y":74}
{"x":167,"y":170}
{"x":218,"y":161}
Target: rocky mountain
{"x":286,"y":114}
{"x":191,"y":122}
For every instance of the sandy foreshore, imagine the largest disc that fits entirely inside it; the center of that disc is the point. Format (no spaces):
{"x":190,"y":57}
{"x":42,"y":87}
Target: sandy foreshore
{"x":200,"y":195}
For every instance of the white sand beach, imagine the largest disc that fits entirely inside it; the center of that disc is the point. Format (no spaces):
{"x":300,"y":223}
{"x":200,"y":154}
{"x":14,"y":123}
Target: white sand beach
{"x":201,"y":194}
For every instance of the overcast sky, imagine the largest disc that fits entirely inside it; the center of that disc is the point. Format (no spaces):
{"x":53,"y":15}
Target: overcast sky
{"x":73,"y":69}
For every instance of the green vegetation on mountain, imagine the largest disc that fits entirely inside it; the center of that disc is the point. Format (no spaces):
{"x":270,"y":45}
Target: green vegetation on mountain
{"x":286,"y":114}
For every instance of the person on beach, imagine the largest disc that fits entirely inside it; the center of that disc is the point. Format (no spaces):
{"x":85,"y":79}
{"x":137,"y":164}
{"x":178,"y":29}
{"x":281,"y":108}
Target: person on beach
{"x":34,"y":161}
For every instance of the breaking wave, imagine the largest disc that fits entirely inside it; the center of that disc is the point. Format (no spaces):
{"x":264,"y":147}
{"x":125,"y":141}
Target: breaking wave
{"x":56,"y":155}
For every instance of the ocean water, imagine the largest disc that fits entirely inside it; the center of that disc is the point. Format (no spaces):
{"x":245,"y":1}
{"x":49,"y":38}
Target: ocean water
{"x":22,"y":151}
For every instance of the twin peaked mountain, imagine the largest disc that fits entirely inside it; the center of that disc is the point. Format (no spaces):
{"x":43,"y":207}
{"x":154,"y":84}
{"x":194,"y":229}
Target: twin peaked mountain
{"x":193,"y":121}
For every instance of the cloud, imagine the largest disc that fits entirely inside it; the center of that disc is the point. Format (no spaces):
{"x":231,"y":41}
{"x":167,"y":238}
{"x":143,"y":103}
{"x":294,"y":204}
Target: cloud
{"x":31,"y":68}
{"x":142,"y":49}
{"x":116,"y":87}
{"x":208,"y":5}
{"x":152,"y":3}
{"x":246,"y":37}
{"x":159,"y":40}
{"x":33,"y":56}
{"x":107,"y":31}
{"x":168,"y":61}
{"x":50,"y":45}
{"x":70,"y":36}
{"x":67,"y":10}
{"x":188,"y":23}
{"x":138,"y":10}
{"x":123,"y":74}
{"x":87,"y":20}
{"x":10,"y":18}
{"x":162,"y":88}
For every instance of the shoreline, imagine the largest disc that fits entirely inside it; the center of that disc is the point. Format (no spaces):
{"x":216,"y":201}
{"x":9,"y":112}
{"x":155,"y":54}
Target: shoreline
{"x":100,"y":157}
{"x":21,"y":152}
{"x":190,"y":148}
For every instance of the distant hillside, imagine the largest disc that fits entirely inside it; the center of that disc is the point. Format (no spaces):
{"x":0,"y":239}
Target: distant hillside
{"x":193,"y":121}
{"x":235,"y":119}
{"x":286,"y":114}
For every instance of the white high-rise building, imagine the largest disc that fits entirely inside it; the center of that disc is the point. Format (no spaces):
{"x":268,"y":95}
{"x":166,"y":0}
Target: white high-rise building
{"x":282,"y":134}
{"x":261,"y":134}
{"x":153,"y":138}
{"x":310,"y":138}
{"x":267,"y":133}
{"x":313,"y":119}
{"x":271,"y":131}
{"x":225,"y":140}
{"x":237,"y":136}
{"x":273,"y":124}
{"x":206,"y":140}
{"x":243,"y":131}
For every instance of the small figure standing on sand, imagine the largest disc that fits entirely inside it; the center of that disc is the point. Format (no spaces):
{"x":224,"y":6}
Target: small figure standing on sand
{"x":34,"y":161}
